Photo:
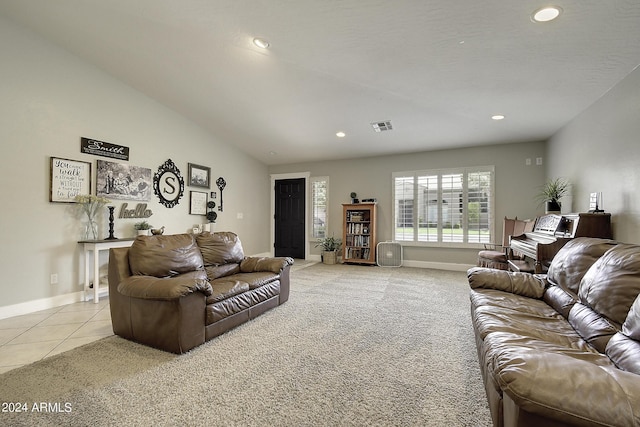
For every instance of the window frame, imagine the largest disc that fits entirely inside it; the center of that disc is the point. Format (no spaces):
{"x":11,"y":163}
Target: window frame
{"x":465,"y":171}
{"x":312,"y":205}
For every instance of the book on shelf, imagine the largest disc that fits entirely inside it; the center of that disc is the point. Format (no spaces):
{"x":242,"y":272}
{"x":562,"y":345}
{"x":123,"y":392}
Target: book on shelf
{"x":358,"y":253}
{"x":357,"y":228}
{"x":355,"y":216}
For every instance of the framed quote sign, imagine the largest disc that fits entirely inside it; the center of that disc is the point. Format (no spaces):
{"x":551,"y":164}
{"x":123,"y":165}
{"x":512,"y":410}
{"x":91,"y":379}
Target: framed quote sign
{"x":198,"y":203}
{"x":68,"y":179}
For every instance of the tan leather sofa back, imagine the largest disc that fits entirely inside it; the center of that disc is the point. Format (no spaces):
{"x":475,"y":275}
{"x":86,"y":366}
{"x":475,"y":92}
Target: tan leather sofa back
{"x":611,"y":286}
{"x":221,"y":252}
{"x":573,"y":261}
{"x":624,"y":347}
{"x":164,"y":256}
{"x":607,"y":292}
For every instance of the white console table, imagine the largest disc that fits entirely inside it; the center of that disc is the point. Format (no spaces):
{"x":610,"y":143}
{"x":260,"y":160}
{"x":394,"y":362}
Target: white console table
{"x":93,"y":248}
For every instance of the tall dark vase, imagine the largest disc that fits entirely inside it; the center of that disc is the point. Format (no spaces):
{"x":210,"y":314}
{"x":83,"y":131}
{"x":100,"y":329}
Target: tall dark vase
{"x":552,"y":206}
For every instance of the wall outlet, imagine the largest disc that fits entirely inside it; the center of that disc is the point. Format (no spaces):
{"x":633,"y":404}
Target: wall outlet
{"x":54,"y":279}
{"x":538,"y":161}
{"x":240,"y":215}
{"x":527,"y":162}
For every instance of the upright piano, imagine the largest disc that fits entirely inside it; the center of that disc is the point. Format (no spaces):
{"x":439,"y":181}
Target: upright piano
{"x":551,"y":232}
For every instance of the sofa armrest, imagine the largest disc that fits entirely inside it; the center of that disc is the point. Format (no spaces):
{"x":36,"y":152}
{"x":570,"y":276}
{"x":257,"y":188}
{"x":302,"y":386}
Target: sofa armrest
{"x":274,"y":265}
{"x":166,"y":288}
{"x":523,"y":284}
{"x":575,"y":391}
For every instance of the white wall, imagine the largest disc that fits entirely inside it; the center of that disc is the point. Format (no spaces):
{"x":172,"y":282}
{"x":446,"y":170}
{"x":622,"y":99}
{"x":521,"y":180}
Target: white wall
{"x":49,"y":100}
{"x":600,"y":151}
{"x":516,"y":186}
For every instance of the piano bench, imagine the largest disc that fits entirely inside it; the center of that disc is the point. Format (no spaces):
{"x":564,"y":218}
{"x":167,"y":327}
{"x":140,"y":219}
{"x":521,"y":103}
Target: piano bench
{"x":520,"y":265}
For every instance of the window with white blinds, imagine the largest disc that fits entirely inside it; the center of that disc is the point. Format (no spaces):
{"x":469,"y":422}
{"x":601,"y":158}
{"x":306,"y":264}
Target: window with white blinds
{"x":444,"y":206}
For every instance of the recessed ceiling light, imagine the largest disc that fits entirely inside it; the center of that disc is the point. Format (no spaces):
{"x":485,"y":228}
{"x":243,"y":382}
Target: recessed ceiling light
{"x":546,"y":14}
{"x":341,"y":134}
{"x":261,"y":43}
{"x":273,"y":153}
{"x":497,"y":117}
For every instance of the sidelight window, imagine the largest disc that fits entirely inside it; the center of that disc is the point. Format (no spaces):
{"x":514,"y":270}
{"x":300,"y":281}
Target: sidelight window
{"x":319,"y":203}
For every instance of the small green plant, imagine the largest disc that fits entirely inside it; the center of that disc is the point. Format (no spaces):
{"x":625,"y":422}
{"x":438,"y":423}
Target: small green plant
{"x":142,"y":225}
{"x":553,"y":190}
{"x":329,"y":244}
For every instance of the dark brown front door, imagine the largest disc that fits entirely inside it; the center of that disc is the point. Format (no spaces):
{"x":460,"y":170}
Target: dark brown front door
{"x":289,"y":218}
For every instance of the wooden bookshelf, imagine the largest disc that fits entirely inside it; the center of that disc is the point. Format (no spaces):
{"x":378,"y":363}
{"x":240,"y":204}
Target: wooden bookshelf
{"x":359,"y":233}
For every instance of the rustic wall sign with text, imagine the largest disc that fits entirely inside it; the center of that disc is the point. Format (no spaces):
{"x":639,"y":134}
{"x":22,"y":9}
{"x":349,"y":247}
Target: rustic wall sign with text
{"x":104,"y":149}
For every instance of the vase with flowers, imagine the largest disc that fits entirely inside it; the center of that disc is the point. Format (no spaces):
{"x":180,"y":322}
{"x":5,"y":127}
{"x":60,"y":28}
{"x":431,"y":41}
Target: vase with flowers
{"x":91,"y":206}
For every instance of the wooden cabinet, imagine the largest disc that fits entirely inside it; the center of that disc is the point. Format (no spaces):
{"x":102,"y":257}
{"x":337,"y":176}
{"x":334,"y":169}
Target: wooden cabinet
{"x":359,"y":233}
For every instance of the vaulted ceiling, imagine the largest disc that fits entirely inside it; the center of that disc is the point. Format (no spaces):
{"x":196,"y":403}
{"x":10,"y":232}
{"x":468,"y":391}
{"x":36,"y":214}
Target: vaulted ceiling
{"x":438,"y":70}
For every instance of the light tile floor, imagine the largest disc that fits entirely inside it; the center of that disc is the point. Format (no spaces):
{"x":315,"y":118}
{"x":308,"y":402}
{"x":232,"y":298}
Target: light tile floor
{"x":32,"y":337}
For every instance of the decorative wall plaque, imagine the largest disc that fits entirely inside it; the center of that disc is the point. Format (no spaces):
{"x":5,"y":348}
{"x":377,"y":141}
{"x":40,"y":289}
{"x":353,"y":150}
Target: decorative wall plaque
{"x":68,"y":179}
{"x":168,"y":184}
{"x":104,"y":149}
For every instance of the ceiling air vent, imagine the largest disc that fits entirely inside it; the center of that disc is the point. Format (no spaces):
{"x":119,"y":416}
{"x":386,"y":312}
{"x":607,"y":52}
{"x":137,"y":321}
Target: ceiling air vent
{"x":382,"y":126}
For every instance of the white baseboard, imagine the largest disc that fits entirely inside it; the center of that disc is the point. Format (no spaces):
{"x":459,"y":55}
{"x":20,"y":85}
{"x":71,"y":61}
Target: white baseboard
{"x":417,"y":264}
{"x":437,"y":265}
{"x":41,"y":304}
{"x":262,"y":255}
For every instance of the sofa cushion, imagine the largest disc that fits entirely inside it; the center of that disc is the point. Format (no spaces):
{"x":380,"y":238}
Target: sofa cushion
{"x":612,"y":284}
{"x":594,"y":328}
{"x":227,"y":307}
{"x":572,"y":262}
{"x":561,"y":300}
{"x":567,"y":390}
{"x":631,"y":325}
{"x":624,"y":352}
{"x":537,"y":320}
{"x":220,"y":248}
{"x":495,"y":298}
{"x":164,"y":256}
{"x":257,"y":279}
{"x":226,"y":288}
{"x":624,"y":347}
{"x":217,"y":271}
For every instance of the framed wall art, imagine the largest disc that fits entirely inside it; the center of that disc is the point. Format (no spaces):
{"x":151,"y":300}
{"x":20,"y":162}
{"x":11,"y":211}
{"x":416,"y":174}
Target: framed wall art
{"x":68,"y":179}
{"x":168,"y":184}
{"x":198,"y":204}
{"x":123,"y":181}
{"x":199,"y":176}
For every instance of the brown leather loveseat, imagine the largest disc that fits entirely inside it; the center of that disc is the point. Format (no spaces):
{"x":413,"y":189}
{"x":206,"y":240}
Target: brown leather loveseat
{"x":562,"y":349}
{"x":175,"y":292}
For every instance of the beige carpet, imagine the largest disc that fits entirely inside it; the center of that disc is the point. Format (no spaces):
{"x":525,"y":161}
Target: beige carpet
{"x":354,"y":346}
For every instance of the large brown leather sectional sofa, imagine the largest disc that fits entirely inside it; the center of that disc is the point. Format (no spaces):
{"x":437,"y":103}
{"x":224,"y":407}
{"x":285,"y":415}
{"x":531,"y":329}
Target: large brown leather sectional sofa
{"x":175,"y":292}
{"x":562,"y":349}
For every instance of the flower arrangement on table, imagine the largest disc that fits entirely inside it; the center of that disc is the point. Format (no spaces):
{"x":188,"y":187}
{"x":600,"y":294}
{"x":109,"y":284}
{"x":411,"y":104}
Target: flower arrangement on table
{"x":91,"y":206}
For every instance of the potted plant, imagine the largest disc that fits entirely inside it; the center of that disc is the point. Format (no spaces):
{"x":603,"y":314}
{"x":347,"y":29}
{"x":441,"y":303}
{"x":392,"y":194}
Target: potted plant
{"x":551,"y":193}
{"x":330,"y":247}
{"x":143,"y":228}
